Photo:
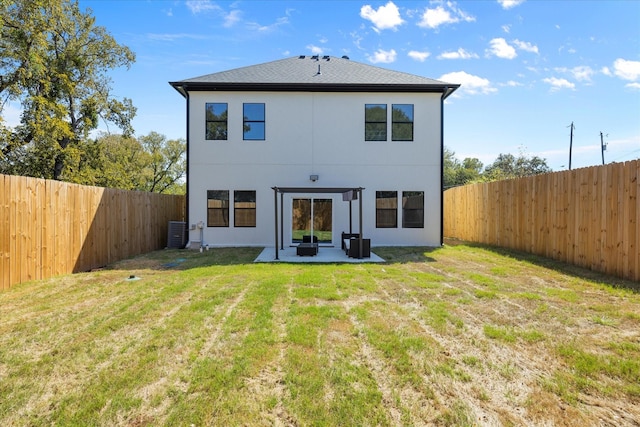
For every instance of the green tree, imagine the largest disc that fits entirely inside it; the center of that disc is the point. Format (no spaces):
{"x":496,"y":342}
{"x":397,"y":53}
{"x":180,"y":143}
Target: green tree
{"x":460,"y":173}
{"x":167,"y":163}
{"x":508,"y":166}
{"x":54,"y":60}
{"x":149,"y":163}
{"x":112,"y":161}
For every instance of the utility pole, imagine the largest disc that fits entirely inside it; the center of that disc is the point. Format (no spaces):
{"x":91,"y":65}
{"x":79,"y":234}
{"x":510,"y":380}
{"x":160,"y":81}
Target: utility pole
{"x":570,"y":145}
{"x":603,"y":146}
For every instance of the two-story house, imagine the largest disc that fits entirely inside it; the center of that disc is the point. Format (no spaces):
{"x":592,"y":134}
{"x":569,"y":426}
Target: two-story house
{"x":274,"y":151}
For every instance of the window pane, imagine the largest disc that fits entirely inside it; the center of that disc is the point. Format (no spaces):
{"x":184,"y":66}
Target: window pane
{"x":375,"y":132}
{"x":253,"y":122}
{"x":254,"y":131}
{"x":375,"y":122}
{"x":216,"y":121}
{"x":217,"y":130}
{"x":402,"y":122}
{"x":375,"y":113}
{"x":216,"y":111}
{"x":402,"y":132}
{"x":244,"y":208}
{"x":386,"y":209}
{"x":413,"y":209}
{"x":254,"y":112}
{"x":402,"y":112}
{"x":217,"y":208}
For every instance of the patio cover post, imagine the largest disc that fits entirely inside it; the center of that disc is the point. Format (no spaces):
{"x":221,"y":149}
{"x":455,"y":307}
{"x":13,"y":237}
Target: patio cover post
{"x":360,"y":219}
{"x":282,"y":221}
{"x":275,"y":206}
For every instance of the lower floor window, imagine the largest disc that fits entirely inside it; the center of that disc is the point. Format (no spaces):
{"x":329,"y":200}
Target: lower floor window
{"x":386,"y":209}
{"x":244,"y":208}
{"x":413,"y":209}
{"x":217,"y":208}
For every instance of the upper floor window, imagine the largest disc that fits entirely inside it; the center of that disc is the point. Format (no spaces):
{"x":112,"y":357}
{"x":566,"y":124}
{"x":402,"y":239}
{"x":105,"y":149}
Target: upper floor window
{"x":244,"y":208}
{"x":253,"y":122}
{"x":386,"y":209}
{"x":402,"y":122}
{"x":413,"y":209}
{"x":216,"y":120}
{"x":375,"y":122}
{"x":217,"y":208}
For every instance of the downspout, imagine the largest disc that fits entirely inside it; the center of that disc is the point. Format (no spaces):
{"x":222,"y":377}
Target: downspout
{"x":186,"y":208}
{"x":445,"y":93}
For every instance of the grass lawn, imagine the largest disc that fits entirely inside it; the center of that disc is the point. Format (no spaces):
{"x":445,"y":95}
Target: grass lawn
{"x":460,"y":335}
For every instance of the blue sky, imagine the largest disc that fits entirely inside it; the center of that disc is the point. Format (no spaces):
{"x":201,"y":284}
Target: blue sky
{"x":527,"y":68}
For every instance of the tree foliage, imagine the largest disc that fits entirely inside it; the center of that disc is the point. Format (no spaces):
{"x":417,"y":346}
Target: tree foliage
{"x":460,"y":173}
{"x":506,"y":166}
{"x":54,"y":61}
{"x":150,"y":163}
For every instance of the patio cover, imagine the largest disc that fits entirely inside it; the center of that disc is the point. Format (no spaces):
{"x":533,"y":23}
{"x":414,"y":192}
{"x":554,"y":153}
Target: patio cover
{"x":314,"y":190}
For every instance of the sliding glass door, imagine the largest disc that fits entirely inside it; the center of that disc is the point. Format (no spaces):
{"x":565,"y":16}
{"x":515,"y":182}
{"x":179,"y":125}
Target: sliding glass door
{"x":312,"y":217}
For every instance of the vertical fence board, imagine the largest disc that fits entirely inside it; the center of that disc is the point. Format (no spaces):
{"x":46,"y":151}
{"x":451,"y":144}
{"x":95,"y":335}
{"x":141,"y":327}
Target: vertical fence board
{"x":634,"y":222}
{"x":5,"y":236}
{"x":588,"y":217}
{"x":49,"y":228}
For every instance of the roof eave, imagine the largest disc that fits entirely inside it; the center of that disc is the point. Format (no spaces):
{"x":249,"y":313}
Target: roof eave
{"x":184,"y":87}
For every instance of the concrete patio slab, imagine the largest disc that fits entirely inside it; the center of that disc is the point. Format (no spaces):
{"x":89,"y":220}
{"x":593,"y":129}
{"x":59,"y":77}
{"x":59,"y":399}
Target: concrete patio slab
{"x":325,"y":254}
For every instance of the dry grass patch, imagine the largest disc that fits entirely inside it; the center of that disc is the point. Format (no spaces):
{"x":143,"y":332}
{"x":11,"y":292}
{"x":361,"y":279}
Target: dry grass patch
{"x":460,"y":335}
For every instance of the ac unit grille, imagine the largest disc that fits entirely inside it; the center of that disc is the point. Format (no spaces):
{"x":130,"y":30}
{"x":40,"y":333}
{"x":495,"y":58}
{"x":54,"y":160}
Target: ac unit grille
{"x":177,"y":236}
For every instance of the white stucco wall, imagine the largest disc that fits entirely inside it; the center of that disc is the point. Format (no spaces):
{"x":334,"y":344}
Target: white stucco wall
{"x":321,"y":134}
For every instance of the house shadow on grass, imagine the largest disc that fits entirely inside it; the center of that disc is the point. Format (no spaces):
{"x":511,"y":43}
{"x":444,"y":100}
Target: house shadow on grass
{"x":559,"y":266}
{"x":185,"y":259}
{"x":406,"y":254}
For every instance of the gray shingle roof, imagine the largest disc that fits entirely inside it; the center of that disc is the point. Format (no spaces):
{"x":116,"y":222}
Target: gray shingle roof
{"x":312,"y":73}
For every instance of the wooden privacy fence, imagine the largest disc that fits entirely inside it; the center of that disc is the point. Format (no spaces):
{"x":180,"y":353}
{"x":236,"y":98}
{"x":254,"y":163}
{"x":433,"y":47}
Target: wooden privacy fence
{"x":49,"y":228}
{"x":588,"y":217}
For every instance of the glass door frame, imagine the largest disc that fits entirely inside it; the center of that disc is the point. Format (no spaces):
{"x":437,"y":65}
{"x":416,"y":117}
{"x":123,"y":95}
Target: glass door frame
{"x":312,"y":198}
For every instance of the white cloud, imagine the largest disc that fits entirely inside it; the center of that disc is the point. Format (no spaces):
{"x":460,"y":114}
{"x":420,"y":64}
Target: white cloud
{"x":169,"y":37}
{"x":557,"y":84}
{"x":512,"y":83}
{"x":470,"y":84}
{"x":626,"y":70}
{"x":385,"y":18}
{"x":582,"y":73}
{"x":268,"y":28}
{"x":501,"y":49}
{"x":508,"y":4}
{"x":418,"y":56}
{"x":606,"y":71}
{"x":633,"y":85}
{"x":506,"y":28}
{"x":526,"y":46}
{"x":443,"y":15}
{"x":458,"y":54}
{"x":198,"y":6}
{"x":232,"y":18}
{"x":316,"y":50}
{"x":383,"y":56}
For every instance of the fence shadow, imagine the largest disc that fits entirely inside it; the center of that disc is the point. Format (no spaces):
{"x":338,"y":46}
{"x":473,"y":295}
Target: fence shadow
{"x":186,"y":259}
{"x":50,"y":228}
{"x":560,"y":266}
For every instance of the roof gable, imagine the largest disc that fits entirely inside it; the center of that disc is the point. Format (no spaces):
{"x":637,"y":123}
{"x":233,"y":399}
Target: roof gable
{"x":313,"y":73}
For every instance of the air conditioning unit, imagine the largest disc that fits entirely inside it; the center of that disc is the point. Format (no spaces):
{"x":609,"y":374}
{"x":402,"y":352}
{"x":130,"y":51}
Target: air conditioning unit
{"x":177,"y":235}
